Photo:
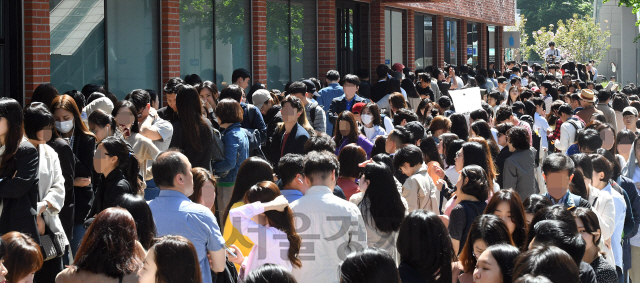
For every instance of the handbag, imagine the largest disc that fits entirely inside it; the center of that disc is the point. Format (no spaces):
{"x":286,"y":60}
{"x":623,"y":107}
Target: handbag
{"x":51,"y":244}
{"x":229,"y":275}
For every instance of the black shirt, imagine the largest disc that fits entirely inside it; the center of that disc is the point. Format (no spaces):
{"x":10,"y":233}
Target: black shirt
{"x":110,"y":189}
{"x":199,"y":157}
{"x":167,"y":114}
{"x":502,"y":157}
{"x":462,"y":216}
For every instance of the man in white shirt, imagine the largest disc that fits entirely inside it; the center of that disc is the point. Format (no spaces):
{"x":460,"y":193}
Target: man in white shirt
{"x":540,"y":124}
{"x":331,"y":228}
{"x":569,"y":128}
{"x":552,"y":54}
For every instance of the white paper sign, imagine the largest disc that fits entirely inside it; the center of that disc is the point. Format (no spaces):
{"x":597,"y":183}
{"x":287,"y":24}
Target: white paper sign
{"x":466,"y":100}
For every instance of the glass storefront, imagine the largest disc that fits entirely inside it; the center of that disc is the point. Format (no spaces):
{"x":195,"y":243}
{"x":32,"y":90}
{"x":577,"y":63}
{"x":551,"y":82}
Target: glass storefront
{"x":491,"y":45}
{"x":450,"y":42}
{"x":291,"y":41}
{"x":424,"y":40}
{"x":196,"y":40}
{"x":77,"y":43}
{"x":393,"y":37}
{"x":472,"y":45}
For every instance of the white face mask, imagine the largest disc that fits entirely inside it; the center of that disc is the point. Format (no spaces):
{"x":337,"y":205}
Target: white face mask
{"x":366,"y":118}
{"x":64,"y":127}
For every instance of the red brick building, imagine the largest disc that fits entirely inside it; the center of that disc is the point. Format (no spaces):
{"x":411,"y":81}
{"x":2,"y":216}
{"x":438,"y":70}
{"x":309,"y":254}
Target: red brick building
{"x":140,"y":44}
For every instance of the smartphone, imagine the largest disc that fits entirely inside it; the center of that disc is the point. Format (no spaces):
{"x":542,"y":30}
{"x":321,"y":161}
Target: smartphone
{"x":230,"y":251}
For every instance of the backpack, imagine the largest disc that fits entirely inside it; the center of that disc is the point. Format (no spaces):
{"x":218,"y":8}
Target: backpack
{"x":252,"y":134}
{"x":573,"y":123}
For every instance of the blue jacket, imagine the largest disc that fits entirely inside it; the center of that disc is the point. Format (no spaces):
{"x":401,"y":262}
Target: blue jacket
{"x":327,"y":95}
{"x":256,"y":123}
{"x":236,"y":150}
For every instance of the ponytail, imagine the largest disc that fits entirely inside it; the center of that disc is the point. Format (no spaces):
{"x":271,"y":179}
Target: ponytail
{"x":102,"y":119}
{"x":127,"y":161}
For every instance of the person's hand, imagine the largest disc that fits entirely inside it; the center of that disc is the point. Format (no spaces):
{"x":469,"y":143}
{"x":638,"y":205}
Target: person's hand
{"x":81,"y":182}
{"x":440,"y":184}
{"x":238,"y":259}
{"x":278,"y":204}
{"x":364,"y":164}
{"x":126,"y":132}
{"x":439,"y":172}
{"x":40,"y":223}
{"x":153,"y":112}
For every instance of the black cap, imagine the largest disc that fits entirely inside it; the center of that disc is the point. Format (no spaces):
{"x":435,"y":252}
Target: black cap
{"x":311,"y":87}
{"x":416,"y":129}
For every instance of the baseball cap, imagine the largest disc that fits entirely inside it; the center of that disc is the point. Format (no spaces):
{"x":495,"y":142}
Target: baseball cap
{"x":398,"y":67}
{"x":630,"y":110}
{"x":260,"y":97}
{"x":416,"y":129}
{"x":357,"y":108}
{"x":311,"y":87}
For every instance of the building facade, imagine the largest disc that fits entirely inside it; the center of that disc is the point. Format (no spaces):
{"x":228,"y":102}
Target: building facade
{"x":130,"y":44}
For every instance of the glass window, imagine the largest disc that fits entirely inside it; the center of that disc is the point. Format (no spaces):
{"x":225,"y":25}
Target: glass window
{"x":424,"y":41}
{"x":491,"y":44}
{"x":233,"y":38}
{"x":196,"y":39}
{"x":472,"y":44}
{"x":77,"y":43}
{"x":450,"y":42}
{"x":291,"y":41}
{"x":132,"y":36}
{"x":393,"y":37}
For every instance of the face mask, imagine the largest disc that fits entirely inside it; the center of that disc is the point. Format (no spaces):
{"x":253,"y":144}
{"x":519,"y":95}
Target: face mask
{"x":64,"y":127}
{"x":366,"y":118}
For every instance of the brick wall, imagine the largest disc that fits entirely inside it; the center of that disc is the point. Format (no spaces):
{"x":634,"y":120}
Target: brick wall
{"x":438,"y":42}
{"x":37,"y":52}
{"x":377,"y":37}
{"x":170,"y":41}
{"x":409,"y":40}
{"x":499,"y":49}
{"x":483,"y":56}
{"x":462,"y":42}
{"x":495,"y":12}
{"x":326,"y":37}
{"x":259,"y":42}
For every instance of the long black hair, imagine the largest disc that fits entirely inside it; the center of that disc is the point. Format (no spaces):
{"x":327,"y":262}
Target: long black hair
{"x":193,"y":123}
{"x":127,"y":161}
{"x":44,"y":93}
{"x":102,"y":119}
{"x":459,"y":126}
{"x":488,"y":228}
{"x":11,"y":110}
{"x":176,"y":260}
{"x":132,"y":108}
{"x":450,"y":151}
{"x":425,"y":245}
{"x":270,"y":273}
{"x":252,"y":171}
{"x":381,"y":202}
{"x":430,"y":150}
{"x":369,"y":266}
{"x":141,"y":212}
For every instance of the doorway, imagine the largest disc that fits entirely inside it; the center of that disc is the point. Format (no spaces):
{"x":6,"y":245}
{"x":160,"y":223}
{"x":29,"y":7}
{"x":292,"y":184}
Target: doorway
{"x":352,"y":37}
{"x":11,"y":83}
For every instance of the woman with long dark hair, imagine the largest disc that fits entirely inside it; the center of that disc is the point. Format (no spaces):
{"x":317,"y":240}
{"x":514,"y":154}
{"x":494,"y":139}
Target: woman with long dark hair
{"x":548,"y":261}
{"x":383,"y":209}
{"x":38,"y":122}
{"x":471,"y":195}
{"x":372,"y":124}
{"x":346,"y":132}
{"x":369,"y":266}
{"x":514,"y":95}
{"x":110,"y":251}
{"x":143,"y":147}
{"x":103,"y":125}
{"x":350,"y":158}
{"x":70,"y":127}
{"x":252,"y":171}
{"x":119,"y":169}
{"x":495,"y":264}
{"x":432,"y":159}
{"x":19,"y":171}
{"x":270,"y":273}
{"x":44,"y":93}
{"x":589,"y":229}
{"x":139,"y":209}
{"x":481,"y":128}
{"x":459,"y":126}
{"x":485,"y":231}
{"x":22,"y":257}
{"x":507,"y":205}
{"x":209,"y":94}
{"x":426,"y":254}
{"x":192,"y":133}
{"x":273,"y":227}
{"x":172,"y":259}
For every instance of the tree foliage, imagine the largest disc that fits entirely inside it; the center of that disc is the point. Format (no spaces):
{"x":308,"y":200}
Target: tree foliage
{"x":578,"y":38}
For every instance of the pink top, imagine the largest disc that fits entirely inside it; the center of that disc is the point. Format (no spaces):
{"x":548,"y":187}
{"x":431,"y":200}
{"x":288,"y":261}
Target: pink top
{"x":348,"y":187}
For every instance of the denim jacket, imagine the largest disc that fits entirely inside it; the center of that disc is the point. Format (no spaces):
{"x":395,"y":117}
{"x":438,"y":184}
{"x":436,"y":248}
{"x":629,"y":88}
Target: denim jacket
{"x":236,"y":150}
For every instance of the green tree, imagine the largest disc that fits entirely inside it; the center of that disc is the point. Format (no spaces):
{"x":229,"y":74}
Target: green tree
{"x":544,"y":12}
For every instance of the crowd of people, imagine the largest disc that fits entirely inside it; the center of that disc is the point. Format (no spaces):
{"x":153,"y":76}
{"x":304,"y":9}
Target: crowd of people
{"x":334,"y":181}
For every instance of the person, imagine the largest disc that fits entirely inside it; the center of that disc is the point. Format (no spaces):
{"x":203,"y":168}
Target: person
{"x":602,"y":171}
{"x":630,"y":118}
{"x":252,"y":120}
{"x":291,"y":173}
{"x":103,"y":125}
{"x":471,"y":195}
{"x":369,"y":265}
{"x":496,"y":264}
{"x":319,"y":204}
{"x":141,"y":213}
{"x":589,"y":229}
{"x":350,"y":157}
{"x":109,"y":251}
{"x":270,"y":109}
{"x":274,"y":222}
{"x":204,"y":187}
{"x":152,"y":126}
{"x":548,"y":261}
{"x":424,"y":246}
{"x":175,"y":214}
{"x":346,"y":102}
{"x":418,"y":189}
{"x":171,"y":259}
{"x":587,"y":100}
{"x":533,"y":204}
{"x":346,"y":132}
{"x":379,"y":90}
{"x":332,"y":91}
{"x":38,"y":122}
{"x":241,"y":77}
{"x":514,"y":95}
{"x":196,"y":140}
{"x":21,"y":257}
{"x":604,"y":97}
{"x":505,"y":114}
{"x":236,"y":149}
{"x":252,"y":171}
{"x":19,"y":166}
{"x":541,"y":126}
{"x":557,"y":171}
{"x":382,"y":208}
{"x":170,"y":112}
{"x":291,"y":135}
{"x":480,"y":128}
{"x":474,"y":153}
{"x":70,"y":127}
{"x":439,"y":125}
{"x":372,"y":126}
{"x":209,"y":94}
{"x":143,"y":147}
{"x":324,"y":143}
{"x":270,"y":273}
{"x":519,"y":168}
{"x":44,"y":93}
{"x":432,"y":159}
{"x":507,"y":205}
{"x":304,"y":91}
